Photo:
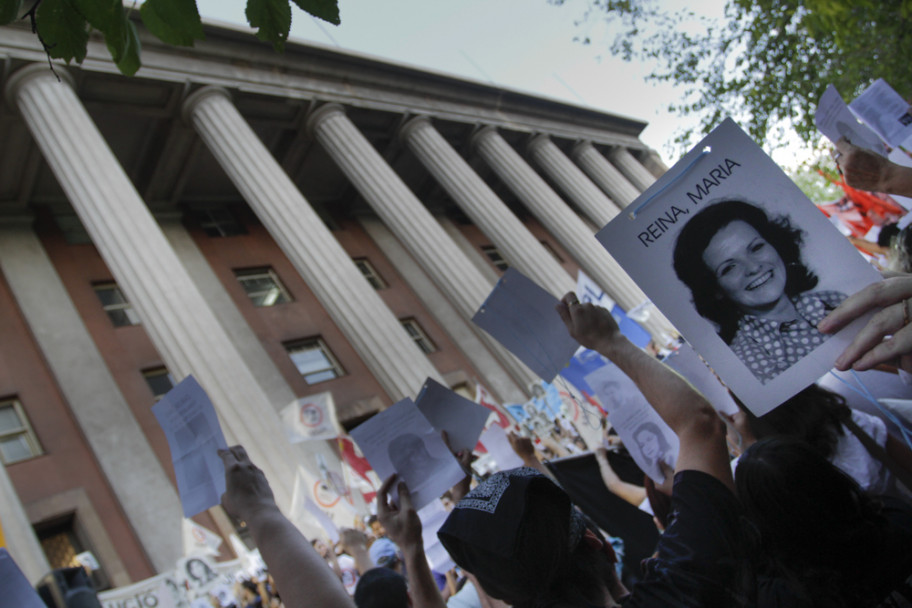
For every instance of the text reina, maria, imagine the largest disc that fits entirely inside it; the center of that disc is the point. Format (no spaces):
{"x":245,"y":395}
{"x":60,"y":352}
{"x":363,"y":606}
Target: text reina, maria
{"x":701,"y":189}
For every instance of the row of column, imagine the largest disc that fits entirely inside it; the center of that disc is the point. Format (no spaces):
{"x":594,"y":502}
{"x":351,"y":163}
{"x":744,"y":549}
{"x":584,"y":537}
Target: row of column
{"x":184,"y":328}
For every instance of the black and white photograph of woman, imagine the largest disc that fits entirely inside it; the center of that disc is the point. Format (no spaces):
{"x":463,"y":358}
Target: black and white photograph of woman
{"x":746,"y":274}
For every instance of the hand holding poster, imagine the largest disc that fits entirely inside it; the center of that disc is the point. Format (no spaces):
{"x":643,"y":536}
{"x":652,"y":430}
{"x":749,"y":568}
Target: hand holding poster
{"x":743,"y":264}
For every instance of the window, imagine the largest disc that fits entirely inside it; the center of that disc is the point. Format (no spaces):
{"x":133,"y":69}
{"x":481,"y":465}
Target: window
{"x":417,"y":334}
{"x":219,"y":222}
{"x":17,"y":439}
{"x":550,"y":250}
{"x":63,"y":545}
{"x":495,"y":257}
{"x":314,"y":360}
{"x":117,"y":306}
{"x":263,"y":286}
{"x":370,"y":273}
{"x":160,"y":381}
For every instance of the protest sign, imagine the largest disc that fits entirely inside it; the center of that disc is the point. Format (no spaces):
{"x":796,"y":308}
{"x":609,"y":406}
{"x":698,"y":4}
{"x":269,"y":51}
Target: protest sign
{"x":401,"y":440}
{"x":521,"y":315}
{"x":688,"y":363}
{"x":17,"y":591}
{"x":311,"y":417}
{"x":198,"y":540}
{"x":462,"y":419}
{"x":194,"y":436}
{"x":885,"y":111}
{"x":743,"y":265}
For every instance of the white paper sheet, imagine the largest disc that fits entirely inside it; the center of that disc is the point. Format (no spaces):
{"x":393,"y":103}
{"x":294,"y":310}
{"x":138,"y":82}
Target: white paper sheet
{"x":17,"y":592}
{"x":401,"y":440}
{"x":520,"y":315}
{"x":728,"y":165}
{"x":885,"y":111}
{"x":495,"y":441}
{"x":646,"y":436}
{"x":462,"y":419}
{"x":432,"y":517}
{"x":194,"y":436}
{"x":834,"y":119}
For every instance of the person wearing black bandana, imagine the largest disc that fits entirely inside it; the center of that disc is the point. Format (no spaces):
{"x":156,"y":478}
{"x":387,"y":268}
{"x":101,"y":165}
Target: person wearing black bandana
{"x":519,"y":535}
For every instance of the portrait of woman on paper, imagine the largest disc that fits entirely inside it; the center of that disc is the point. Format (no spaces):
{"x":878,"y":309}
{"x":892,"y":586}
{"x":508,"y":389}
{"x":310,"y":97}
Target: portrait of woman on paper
{"x":746,"y":275}
{"x":653,"y":447}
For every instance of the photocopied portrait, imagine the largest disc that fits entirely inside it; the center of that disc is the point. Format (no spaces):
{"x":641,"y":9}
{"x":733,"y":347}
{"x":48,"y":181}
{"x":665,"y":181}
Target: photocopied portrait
{"x":746,"y":274}
{"x":743,"y":265}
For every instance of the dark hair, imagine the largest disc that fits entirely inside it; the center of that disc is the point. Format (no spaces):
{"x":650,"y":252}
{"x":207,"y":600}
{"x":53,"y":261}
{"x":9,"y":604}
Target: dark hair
{"x":381,"y":588}
{"x":817,"y":528}
{"x":815,"y":415}
{"x":710,"y":302}
{"x":653,"y":428}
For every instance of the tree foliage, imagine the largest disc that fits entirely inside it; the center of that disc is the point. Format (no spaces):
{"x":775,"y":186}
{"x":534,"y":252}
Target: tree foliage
{"x":766,"y":62}
{"x":63,"y":26}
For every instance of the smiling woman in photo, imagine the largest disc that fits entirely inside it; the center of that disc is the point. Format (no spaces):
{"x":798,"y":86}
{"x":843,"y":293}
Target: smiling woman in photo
{"x":746,"y":275}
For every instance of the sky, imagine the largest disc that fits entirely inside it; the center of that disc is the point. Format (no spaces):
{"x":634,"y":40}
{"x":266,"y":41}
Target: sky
{"x":526,"y":45}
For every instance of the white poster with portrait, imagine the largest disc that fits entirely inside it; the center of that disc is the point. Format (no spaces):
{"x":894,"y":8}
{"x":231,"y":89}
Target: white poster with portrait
{"x":743,"y":265}
{"x":645,"y":435}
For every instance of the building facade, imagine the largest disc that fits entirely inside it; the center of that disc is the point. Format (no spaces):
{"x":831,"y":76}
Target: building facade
{"x":278,"y":226}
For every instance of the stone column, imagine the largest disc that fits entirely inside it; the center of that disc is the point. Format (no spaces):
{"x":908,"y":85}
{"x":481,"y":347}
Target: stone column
{"x":141,"y":485}
{"x":604,"y":174}
{"x":18,"y":533}
{"x":408,"y":219}
{"x":357,"y":309}
{"x":579,"y":188}
{"x":176,"y":316}
{"x":484,"y":208}
{"x":564,"y":224}
{"x":654,"y":163}
{"x":638,"y":175}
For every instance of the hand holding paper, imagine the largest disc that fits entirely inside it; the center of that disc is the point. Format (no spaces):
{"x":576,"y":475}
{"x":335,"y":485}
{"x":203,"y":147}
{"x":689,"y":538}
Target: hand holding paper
{"x":247,"y":491}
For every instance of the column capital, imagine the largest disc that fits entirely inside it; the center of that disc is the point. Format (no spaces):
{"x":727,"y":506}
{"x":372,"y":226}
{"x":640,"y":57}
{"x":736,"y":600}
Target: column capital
{"x":30,"y":72}
{"x":482,"y":133}
{"x":537,"y":141}
{"x":579,"y":147}
{"x":321,"y":114}
{"x":422,"y":120}
{"x":194,"y":99}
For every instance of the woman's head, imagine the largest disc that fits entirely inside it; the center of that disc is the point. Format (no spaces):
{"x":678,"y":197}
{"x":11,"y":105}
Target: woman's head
{"x":735,"y":259}
{"x":651,"y":441}
{"x":809,"y":513}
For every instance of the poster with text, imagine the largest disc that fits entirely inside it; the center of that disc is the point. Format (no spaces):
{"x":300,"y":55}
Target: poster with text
{"x":743,"y":264}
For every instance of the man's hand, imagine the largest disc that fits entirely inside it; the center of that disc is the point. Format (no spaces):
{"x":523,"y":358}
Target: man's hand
{"x":402,"y":524}
{"x":523,"y":446}
{"x":352,"y":540}
{"x":592,"y":326}
{"x":247,"y":491}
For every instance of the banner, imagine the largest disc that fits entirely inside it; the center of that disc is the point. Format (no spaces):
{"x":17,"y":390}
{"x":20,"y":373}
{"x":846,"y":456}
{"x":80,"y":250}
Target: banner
{"x":311,"y":417}
{"x":199,"y":540}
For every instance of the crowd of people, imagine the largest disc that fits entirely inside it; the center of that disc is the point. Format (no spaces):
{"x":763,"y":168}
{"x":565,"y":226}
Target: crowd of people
{"x":808,"y":505}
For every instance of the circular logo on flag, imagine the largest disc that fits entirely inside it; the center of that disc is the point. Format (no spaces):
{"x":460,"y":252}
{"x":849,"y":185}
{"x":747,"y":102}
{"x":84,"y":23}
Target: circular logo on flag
{"x":310,"y":415}
{"x":325,"y":495}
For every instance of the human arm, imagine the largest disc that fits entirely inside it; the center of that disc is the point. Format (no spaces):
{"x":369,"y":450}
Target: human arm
{"x":866,"y":170}
{"x":632,"y":493}
{"x":526,"y":451}
{"x":700,"y":431}
{"x":355,"y":544}
{"x":404,"y":528}
{"x":871,"y":345}
{"x":293,"y":562}
{"x":464,"y":458}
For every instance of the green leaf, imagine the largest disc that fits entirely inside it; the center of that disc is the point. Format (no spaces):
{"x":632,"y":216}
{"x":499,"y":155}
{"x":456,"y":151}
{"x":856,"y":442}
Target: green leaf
{"x":63,"y":30}
{"x":272,"y":19}
{"x":9,"y":10}
{"x":327,"y":10}
{"x":103,"y":15}
{"x":123,"y":44}
{"x":129,"y":61}
{"x":173,"y":21}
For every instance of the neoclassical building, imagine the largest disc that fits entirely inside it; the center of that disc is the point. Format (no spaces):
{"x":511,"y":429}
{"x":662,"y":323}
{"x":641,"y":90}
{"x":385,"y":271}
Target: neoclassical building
{"x":276,"y":225}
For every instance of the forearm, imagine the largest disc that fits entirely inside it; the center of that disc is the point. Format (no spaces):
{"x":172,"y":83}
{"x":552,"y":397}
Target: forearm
{"x":631,"y":493}
{"x":299,"y":571}
{"x":422,"y":586}
{"x":898,"y":180}
{"x":363,"y":562}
